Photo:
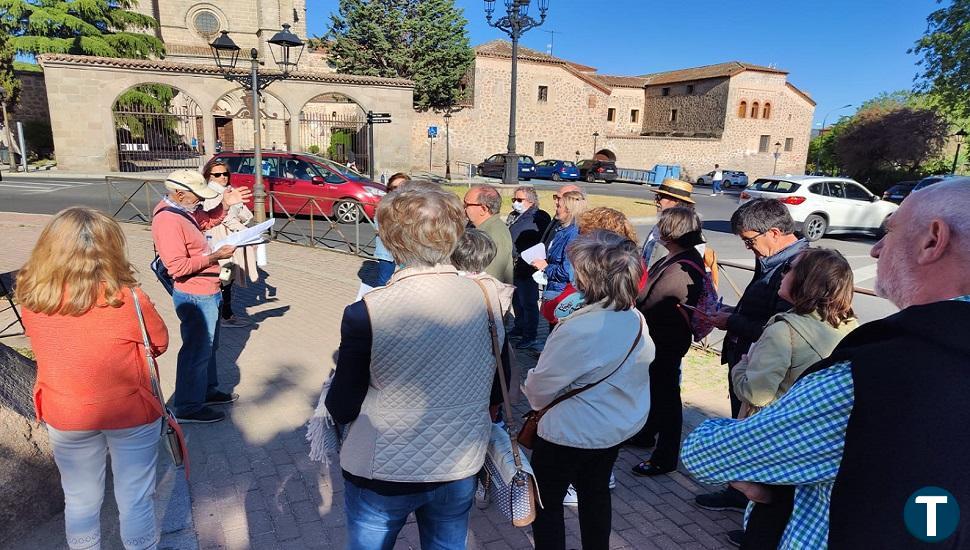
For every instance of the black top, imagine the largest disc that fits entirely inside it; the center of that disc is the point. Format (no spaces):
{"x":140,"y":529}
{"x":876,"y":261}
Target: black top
{"x":527,"y":230}
{"x":670,"y":283}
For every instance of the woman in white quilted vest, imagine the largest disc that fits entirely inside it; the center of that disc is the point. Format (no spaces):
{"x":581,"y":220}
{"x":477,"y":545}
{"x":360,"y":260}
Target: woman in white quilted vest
{"x":591,"y":379}
{"x":413,"y":378}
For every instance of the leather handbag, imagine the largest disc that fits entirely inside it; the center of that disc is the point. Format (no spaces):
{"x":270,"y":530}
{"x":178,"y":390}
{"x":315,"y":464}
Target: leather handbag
{"x":506,"y":475}
{"x":171,"y":431}
{"x":530,"y":425}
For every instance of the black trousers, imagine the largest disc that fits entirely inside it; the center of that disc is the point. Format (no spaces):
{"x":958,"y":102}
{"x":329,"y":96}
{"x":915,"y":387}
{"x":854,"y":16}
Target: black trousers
{"x":735,"y":400}
{"x":666,"y":417}
{"x":767,"y":522}
{"x":588,"y":470}
{"x":226,"y":311}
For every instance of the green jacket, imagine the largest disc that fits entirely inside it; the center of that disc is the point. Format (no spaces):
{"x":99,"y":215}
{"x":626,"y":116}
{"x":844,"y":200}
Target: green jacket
{"x":501,"y":266}
{"x":789,"y":344}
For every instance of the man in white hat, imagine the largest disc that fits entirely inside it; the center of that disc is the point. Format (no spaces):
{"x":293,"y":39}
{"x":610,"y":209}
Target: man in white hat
{"x":178,"y":223}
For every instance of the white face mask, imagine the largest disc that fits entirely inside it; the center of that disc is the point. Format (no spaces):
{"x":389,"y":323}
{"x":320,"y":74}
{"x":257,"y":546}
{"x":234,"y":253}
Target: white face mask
{"x":519,"y":207}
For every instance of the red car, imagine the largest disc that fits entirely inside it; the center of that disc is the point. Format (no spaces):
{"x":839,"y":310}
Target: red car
{"x":295,"y":176}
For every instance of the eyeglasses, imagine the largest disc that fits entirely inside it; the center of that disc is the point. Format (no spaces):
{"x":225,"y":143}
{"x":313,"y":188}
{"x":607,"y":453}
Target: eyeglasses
{"x":219,"y":174}
{"x":749,"y":241}
{"x":467,"y":204}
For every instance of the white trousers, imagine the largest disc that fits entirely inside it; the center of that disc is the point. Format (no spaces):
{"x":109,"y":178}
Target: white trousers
{"x":81,"y":457}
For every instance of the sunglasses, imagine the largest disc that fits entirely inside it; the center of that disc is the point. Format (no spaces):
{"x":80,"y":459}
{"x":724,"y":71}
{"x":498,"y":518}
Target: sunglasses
{"x":518,"y":200}
{"x":220,"y":174}
{"x":749,"y":241}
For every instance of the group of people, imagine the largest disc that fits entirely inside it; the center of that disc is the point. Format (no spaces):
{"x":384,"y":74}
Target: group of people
{"x":834,"y":425}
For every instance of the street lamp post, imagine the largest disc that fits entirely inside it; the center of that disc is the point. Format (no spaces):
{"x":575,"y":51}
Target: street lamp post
{"x":818,"y":154}
{"x":448,"y":145}
{"x":774,"y":169}
{"x":596,"y":136}
{"x":961,"y":134}
{"x":515,"y":23}
{"x":225,"y":52}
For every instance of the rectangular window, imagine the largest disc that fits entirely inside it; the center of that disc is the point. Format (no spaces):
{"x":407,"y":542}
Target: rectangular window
{"x":690,"y":89}
{"x":610,"y":114}
{"x":635,"y":115}
{"x":540,"y":149}
{"x":763,"y":145}
{"x":789,"y":142}
{"x":665,"y":92}
{"x":543,"y":93}
{"x":673,"y":115}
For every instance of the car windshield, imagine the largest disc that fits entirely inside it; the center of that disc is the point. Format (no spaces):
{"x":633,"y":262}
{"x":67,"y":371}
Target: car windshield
{"x":568,"y":164}
{"x":524,"y":159}
{"x":338,"y":168}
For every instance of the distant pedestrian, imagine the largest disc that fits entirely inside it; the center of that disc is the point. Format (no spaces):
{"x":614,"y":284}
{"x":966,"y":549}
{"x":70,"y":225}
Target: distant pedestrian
{"x":177,"y":230}
{"x":556,"y":267}
{"x":716,"y":180}
{"x":195,"y":144}
{"x":482,"y":206}
{"x":385,"y":263}
{"x":527,"y":223}
{"x":93,"y":389}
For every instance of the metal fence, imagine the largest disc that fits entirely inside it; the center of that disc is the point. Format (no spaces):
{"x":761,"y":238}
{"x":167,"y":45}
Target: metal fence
{"x":158,"y":141}
{"x":340,"y":138}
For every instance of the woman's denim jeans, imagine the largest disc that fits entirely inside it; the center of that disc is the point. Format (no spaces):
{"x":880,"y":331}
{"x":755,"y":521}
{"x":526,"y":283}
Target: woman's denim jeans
{"x":81,"y":457}
{"x":196,"y":375}
{"x":374,"y":520}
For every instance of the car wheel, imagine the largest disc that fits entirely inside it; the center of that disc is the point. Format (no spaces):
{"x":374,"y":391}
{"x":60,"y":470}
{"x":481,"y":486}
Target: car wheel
{"x":815,"y":227}
{"x":346,"y":212}
{"x":556,"y":177}
{"x":726,"y":184}
{"x":481,"y":172}
{"x":590,"y":178}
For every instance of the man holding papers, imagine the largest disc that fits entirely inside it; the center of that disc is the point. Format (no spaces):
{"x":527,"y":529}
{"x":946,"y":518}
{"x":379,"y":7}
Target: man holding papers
{"x":527,"y":223}
{"x":177,"y":229}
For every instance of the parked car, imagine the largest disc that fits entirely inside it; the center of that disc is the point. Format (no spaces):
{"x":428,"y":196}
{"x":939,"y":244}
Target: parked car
{"x":899,"y":191}
{"x":557,"y":170}
{"x":494,"y":167}
{"x":293,"y":177}
{"x":930,"y":180}
{"x":729,"y":179}
{"x":823,"y":205}
{"x":592,"y":170}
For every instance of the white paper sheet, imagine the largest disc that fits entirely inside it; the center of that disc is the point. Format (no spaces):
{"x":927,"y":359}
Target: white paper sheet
{"x":364,"y":289}
{"x":531,"y":254}
{"x":249,"y":236}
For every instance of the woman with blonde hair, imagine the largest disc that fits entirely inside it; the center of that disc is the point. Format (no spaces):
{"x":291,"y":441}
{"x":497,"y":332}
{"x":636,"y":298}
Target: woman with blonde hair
{"x":556,"y":266}
{"x":93,"y":389}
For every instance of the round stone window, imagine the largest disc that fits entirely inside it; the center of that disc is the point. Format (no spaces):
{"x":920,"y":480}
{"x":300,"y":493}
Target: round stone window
{"x":206,"y":23}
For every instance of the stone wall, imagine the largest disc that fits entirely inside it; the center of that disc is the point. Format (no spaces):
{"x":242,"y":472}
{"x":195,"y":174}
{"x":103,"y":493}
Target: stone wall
{"x":701,"y":112}
{"x":624,"y":100}
{"x":33,"y":98}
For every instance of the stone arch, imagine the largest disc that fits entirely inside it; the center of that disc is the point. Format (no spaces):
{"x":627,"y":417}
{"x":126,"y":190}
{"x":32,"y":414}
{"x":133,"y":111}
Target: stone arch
{"x":233,"y":119}
{"x":743,"y":109}
{"x":605,"y":154}
{"x":334,"y":125}
{"x":157,"y":126}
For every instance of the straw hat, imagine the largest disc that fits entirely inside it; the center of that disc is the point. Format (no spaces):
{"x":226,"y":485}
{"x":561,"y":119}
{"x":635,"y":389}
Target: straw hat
{"x":191,"y":181}
{"x":676,"y":189}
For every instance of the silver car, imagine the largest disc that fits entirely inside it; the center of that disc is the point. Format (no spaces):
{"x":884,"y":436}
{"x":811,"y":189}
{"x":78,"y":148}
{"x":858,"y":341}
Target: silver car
{"x":729,"y":179}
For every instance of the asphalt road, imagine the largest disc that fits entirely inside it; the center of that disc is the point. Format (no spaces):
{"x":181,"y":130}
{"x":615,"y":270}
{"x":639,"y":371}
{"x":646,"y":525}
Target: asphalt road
{"x":37,"y":194}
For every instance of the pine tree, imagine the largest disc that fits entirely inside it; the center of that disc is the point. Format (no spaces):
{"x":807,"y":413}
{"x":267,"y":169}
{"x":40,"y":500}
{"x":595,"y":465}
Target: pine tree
{"x":422,"y":40}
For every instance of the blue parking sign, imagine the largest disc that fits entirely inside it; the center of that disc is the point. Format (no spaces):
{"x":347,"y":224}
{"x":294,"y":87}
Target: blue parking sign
{"x":432,"y":131}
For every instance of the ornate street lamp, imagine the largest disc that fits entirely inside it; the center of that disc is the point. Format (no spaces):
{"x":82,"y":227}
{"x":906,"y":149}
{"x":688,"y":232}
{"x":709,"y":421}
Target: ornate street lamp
{"x":515,"y":23}
{"x":225,"y":52}
{"x":962,"y":135}
{"x":777,"y":156}
{"x":448,"y":145}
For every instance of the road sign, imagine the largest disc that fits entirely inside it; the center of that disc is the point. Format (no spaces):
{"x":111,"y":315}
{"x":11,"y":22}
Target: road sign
{"x":381,"y":121}
{"x":379,"y":115}
{"x":432,"y":131}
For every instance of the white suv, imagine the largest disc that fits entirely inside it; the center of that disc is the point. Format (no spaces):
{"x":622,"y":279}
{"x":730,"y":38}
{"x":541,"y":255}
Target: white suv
{"x":823,"y":205}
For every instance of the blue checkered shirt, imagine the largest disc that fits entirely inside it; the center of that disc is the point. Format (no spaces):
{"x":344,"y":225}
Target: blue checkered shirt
{"x":797,"y":440}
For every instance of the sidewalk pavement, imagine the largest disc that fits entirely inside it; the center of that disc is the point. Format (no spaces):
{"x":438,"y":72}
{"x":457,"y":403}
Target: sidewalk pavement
{"x":252,"y":485}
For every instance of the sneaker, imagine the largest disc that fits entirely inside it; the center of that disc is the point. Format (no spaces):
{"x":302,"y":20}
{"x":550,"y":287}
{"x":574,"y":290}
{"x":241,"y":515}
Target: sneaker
{"x":726,"y":499}
{"x":612,"y":480}
{"x":571,"y":498}
{"x":236,"y":322}
{"x":713,"y":194}
{"x":220,"y":398}
{"x":205,"y":415}
{"x":735,"y":537}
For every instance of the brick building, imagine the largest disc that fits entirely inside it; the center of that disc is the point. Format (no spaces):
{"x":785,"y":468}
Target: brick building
{"x":731,"y":113}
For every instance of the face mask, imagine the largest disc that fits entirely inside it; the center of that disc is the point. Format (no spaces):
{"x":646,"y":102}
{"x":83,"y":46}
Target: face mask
{"x":519,"y":207}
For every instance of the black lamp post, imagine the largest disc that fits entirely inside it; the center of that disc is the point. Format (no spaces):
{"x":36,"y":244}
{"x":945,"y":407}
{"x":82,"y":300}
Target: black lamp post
{"x":448,"y":145}
{"x":515,"y":23}
{"x":225,"y":52}
{"x":962,"y":135}
{"x":777,"y":156}
{"x":596,"y":136}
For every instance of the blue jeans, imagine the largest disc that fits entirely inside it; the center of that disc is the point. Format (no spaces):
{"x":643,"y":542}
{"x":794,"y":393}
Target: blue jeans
{"x":716,"y":186}
{"x":525,"y":304}
{"x":374,"y":520}
{"x":196,"y":376}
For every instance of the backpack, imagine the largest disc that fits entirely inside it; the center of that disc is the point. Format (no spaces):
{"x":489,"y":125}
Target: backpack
{"x":158,"y":266}
{"x":707,"y":302}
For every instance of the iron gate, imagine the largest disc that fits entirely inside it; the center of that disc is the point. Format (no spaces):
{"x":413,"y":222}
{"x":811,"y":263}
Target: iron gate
{"x":159,"y":141}
{"x":340,"y":138}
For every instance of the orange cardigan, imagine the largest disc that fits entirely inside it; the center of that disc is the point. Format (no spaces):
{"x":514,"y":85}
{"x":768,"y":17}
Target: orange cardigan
{"x":91,"y":369}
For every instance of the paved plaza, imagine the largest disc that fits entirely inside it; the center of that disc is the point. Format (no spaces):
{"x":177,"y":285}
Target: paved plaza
{"x":252,"y":485}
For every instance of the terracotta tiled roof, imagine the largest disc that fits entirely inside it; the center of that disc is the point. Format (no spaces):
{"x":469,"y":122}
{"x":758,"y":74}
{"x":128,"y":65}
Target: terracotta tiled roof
{"x":621,"y":81}
{"x":185,"y":49}
{"x":728,"y":69}
{"x":503,"y":48}
{"x":198,"y":68}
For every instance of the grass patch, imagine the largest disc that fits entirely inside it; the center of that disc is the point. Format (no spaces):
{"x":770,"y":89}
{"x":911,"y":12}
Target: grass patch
{"x":702,"y":370}
{"x":632,"y":207}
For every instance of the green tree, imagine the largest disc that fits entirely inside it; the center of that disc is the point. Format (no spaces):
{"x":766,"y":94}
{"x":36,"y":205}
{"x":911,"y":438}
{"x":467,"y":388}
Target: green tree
{"x":944,"y":52}
{"x":422,"y":40}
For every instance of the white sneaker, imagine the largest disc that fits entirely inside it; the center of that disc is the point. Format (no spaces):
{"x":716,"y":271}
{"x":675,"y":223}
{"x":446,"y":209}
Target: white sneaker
{"x":571,"y":498}
{"x":713,"y":194}
{"x":612,"y":481}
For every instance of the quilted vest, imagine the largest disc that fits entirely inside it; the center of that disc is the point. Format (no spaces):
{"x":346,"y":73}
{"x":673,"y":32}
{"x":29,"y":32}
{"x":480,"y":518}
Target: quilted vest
{"x":425,"y":416}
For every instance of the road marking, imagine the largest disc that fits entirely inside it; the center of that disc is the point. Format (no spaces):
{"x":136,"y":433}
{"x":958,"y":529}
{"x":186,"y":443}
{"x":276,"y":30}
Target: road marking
{"x":15,"y":186}
{"x":27,"y":187}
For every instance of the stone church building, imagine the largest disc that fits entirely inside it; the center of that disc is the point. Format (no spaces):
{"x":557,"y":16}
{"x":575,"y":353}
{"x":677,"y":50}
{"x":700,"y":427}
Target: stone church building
{"x":735,"y":114}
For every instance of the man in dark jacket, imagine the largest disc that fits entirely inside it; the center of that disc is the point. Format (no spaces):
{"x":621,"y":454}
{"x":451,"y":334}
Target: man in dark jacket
{"x":767,"y":229}
{"x":527,"y":223}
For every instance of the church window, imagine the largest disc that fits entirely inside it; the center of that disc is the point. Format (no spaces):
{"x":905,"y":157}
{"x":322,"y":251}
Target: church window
{"x":206,"y":23}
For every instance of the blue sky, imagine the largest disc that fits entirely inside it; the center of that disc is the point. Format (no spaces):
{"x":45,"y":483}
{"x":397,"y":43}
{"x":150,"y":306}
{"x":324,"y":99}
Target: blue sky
{"x":838,"y":51}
